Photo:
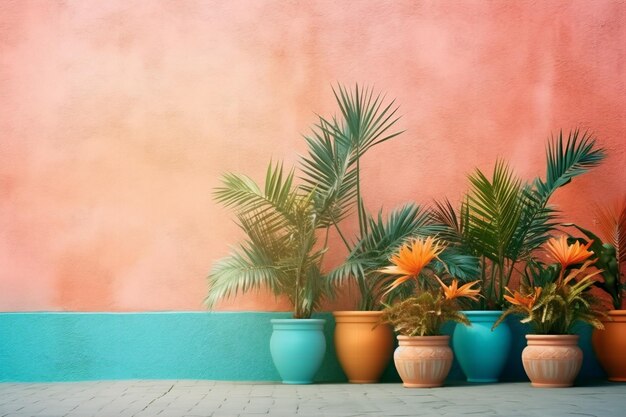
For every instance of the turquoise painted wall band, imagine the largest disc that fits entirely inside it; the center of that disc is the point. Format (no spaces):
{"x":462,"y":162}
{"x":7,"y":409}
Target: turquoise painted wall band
{"x":169,"y":345}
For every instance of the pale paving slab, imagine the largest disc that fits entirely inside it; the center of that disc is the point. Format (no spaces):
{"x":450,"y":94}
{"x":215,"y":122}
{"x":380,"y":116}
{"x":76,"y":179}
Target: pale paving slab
{"x":237,"y":399}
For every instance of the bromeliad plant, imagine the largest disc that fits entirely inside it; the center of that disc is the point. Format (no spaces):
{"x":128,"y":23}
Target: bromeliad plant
{"x":553,"y":299}
{"x":332,"y":173}
{"x":434,"y":303}
{"x":503,"y":220}
{"x":410,"y":260}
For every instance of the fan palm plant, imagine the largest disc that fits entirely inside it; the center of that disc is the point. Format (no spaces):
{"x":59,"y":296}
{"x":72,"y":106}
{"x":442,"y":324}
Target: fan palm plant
{"x":280,"y":251}
{"x":332,"y":174}
{"x":503,"y":219}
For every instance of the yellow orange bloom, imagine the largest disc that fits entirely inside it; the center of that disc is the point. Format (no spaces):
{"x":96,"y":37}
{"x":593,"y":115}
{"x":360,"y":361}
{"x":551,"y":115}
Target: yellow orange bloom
{"x":453,"y":291}
{"x":526,"y":301}
{"x":566,"y":254}
{"x":411,"y":259}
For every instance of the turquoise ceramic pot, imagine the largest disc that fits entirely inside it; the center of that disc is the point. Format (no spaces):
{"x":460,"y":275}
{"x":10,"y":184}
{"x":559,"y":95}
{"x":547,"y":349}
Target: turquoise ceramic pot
{"x":298,"y":347}
{"x":481,"y":352}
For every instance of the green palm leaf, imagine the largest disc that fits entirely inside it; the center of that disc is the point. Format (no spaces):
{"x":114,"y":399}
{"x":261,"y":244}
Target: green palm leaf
{"x":564,"y":161}
{"x":372,"y":251}
{"x":495,"y":211}
{"x":568,"y":160}
{"x":280,"y":253}
{"x":244,"y":269}
{"x":335,"y":147}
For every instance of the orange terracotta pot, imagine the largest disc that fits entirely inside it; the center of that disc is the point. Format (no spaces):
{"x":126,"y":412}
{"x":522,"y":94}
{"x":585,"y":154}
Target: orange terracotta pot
{"x":364,"y":347}
{"x":423,"y":361}
{"x":609,"y":345}
{"x":552,"y":361}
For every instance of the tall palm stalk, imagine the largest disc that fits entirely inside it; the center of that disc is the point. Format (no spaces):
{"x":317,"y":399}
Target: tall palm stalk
{"x":332,"y":173}
{"x":503,"y":219}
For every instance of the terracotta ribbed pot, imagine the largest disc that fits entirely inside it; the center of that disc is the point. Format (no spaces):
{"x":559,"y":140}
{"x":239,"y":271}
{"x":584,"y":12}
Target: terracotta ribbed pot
{"x":610,"y":345}
{"x":552,"y":361}
{"x":423,"y":361}
{"x":364,"y":346}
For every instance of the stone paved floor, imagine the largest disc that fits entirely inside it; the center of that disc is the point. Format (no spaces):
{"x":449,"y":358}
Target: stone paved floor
{"x":226,"y":399}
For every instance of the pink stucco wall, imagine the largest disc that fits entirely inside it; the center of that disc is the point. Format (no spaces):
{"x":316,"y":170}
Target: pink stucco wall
{"x":117,"y":118}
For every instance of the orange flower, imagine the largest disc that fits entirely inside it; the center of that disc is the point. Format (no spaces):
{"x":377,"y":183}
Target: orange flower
{"x":453,"y":291}
{"x":526,"y":301}
{"x":566,"y":254}
{"x":411,"y":259}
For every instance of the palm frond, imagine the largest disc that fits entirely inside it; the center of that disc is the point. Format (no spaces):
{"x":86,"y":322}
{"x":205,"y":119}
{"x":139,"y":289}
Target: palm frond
{"x":280,"y":252}
{"x":335,"y":146}
{"x":367,"y":118}
{"x":384,"y":236}
{"x":244,"y":269}
{"x":458,"y":264}
{"x":495,"y":210}
{"x":566,"y":160}
{"x":537,"y":221}
{"x":273,"y":204}
{"x":612,"y":225}
{"x":448,"y":225}
{"x":328,"y":172}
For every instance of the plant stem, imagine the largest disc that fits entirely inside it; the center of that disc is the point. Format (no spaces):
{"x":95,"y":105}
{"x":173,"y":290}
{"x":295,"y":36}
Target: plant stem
{"x":359,"y":202}
{"x":325,"y":245}
{"x":345,"y":242}
{"x":483,"y":273}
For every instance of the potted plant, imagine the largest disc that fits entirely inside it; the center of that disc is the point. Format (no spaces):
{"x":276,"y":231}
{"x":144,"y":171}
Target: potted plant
{"x":332,"y":172}
{"x":423,"y":357}
{"x":609,"y":344}
{"x":552,"y":301}
{"x":502,"y":221}
{"x":280,"y":252}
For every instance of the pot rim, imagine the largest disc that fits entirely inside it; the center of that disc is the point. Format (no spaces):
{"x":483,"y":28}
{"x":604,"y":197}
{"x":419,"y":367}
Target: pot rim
{"x":358,"y":317}
{"x":483,"y":316}
{"x":616,"y":312}
{"x":363,"y":313}
{"x":482,"y":312}
{"x":552,"y":336}
{"x":298,"y":321}
{"x":438,"y":337}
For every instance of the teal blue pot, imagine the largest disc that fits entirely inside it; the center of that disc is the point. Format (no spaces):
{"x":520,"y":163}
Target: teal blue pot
{"x":481,"y":352}
{"x":298,"y":347}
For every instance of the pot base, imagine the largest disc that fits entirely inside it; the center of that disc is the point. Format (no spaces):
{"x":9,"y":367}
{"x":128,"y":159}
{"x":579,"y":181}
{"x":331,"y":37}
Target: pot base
{"x":421,"y":385}
{"x":362,"y":381}
{"x":540,"y":385}
{"x":482,"y":380}
{"x":617,"y":379}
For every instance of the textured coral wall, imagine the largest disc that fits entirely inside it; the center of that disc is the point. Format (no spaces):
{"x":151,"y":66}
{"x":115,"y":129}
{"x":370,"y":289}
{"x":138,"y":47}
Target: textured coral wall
{"x":117,"y":118}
